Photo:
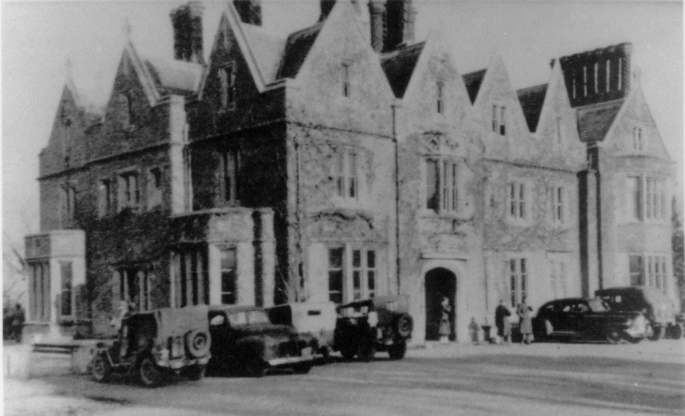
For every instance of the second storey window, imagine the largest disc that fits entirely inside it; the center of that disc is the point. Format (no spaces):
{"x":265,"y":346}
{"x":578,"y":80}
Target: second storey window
{"x":442,"y":185}
{"x":647,"y":199}
{"x":105,"y":197}
{"x":499,"y":119}
{"x":516,"y":200}
{"x":346,"y":174}
{"x":558,"y":204}
{"x":230,"y":163}
{"x":154,"y":188}
{"x":638,"y":145}
{"x":129,"y":191}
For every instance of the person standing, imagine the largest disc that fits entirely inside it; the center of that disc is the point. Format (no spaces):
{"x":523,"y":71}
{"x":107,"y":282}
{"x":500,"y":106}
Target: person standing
{"x":444,"y":329}
{"x":525,"y":321}
{"x":18,"y":322}
{"x":502,"y":322}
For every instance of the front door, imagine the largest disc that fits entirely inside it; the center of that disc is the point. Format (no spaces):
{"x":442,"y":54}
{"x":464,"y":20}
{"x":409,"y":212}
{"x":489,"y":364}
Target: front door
{"x":440,"y":283}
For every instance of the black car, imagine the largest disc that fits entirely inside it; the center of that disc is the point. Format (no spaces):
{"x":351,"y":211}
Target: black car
{"x":587,"y":319}
{"x":151,"y":345}
{"x":656,"y":306}
{"x":378,"y":324}
{"x":244,"y":340}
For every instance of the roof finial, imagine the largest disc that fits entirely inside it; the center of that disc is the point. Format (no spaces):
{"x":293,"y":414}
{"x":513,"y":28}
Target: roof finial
{"x":127,"y":29}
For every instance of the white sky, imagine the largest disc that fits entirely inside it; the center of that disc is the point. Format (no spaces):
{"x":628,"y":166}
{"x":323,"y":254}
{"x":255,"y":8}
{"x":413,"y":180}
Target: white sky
{"x":37,"y":38}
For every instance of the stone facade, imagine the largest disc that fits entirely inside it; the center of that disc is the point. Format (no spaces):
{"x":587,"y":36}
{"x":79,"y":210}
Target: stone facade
{"x":343,"y":162}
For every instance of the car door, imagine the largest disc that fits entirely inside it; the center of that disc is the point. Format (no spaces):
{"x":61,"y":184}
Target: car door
{"x":566,"y":320}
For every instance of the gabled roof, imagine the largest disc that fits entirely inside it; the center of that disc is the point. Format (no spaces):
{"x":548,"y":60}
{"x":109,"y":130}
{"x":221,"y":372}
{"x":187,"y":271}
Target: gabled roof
{"x":531,"y":99}
{"x":174,"y":76}
{"x":296,"y":49}
{"x":472,"y":81}
{"x":594,"y":123}
{"x":267,"y":49}
{"x":399,"y":65}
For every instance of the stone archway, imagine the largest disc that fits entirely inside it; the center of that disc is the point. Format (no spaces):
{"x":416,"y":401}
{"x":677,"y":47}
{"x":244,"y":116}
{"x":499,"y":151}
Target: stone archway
{"x":439,"y":282}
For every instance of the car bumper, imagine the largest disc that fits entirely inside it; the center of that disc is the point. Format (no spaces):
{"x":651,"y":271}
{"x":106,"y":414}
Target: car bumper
{"x":288,"y":361}
{"x":176,"y":364}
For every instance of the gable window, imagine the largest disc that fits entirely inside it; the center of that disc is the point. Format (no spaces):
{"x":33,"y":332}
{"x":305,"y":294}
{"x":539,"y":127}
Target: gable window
{"x":439,"y":98}
{"x":105,"y":197}
{"x":442,"y":185}
{"x":335,"y":274}
{"x":129,"y":191}
{"x":68,"y":203}
{"x":499,"y":119}
{"x":346,"y":173}
{"x":346,"y":80}
{"x":516,"y":200}
{"x":607,"y":85}
{"x":154,"y":188}
{"x":126,"y":112}
{"x":558,"y":204}
{"x":518,"y":280}
{"x":66,"y":300}
{"x":230,"y":164}
{"x":638,"y":144}
{"x":227,"y":90}
{"x":228,"y":276}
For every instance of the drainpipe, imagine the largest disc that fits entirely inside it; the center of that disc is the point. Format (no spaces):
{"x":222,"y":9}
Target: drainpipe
{"x":393,"y":107}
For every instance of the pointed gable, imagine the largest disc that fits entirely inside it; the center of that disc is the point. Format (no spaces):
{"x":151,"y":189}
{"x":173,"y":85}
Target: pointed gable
{"x":531,"y":99}
{"x":472,"y":82}
{"x":174,"y":76}
{"x":595,"y":122}
{"x":267,"y":50}
{"x":399,"y":66}
{"x":296,"y":50}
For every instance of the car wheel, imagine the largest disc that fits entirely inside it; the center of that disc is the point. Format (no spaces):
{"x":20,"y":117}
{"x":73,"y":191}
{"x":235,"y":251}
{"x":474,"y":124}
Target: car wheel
{"x":197,"y":343}
{"x":302,"y":368}
{"x":366,"y":351}
{"x":255,"y":367}
{"x":348,"y":352}
{"x":397,"y":351}
{"x":404,"y":325}
{"x":657,"y":333}
{"x":149,"y":374}
{"x":100,"y":368}
{"x":613,"y":336}
{"x":195,"y":372}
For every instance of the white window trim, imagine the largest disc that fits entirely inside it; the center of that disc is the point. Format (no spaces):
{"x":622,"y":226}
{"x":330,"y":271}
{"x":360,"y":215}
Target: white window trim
{"x":454,"y":202}
{"x":522,"y":285}
{"x":348,"y":270}
{"x":346,"y":177}
{"x":527,"y":200}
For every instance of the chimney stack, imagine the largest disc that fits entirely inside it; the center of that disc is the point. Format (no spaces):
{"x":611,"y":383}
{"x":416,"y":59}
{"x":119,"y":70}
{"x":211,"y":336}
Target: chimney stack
{"x":377,"y":23}
{"x":326,"y":7}
{"x":250,"y":11}
{"x":399,"y":23}
{"x":187,"y":23}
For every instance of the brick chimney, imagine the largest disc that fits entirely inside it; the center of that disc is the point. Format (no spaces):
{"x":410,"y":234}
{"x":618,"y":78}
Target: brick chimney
{"x":187,"y":23}
{"x":399,"y":23}
{"x":377,"y":23}
{"x":250,"y":11}
{"x":599,"y":75}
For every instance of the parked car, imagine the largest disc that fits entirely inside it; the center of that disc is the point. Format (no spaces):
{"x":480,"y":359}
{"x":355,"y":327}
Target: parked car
{"x":655,"y":305}
{"x":378,"y":324}
{"x":154,"y":344}
{"x":589,"y":319}
{"x":245,"y":340}
{"x":315,"y":319}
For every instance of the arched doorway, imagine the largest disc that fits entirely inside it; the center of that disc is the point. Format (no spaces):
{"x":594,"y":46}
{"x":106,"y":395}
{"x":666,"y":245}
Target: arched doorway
{"x":439,"y":282}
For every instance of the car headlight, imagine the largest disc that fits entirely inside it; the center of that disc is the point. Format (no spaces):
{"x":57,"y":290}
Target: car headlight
{"x":373,"y":318}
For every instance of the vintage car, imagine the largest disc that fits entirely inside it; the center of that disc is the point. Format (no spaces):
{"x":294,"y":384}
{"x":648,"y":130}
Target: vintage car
{"x":245,"y":341}
{"x":154,"y":344}
{"x":656,"y":306}
{"x":315,"y":319}
{"x":587,"y":319}
{"x":378,"y":324}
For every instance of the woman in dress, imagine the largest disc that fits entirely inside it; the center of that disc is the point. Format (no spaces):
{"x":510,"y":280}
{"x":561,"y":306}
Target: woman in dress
{"x":525,"y":321}
{"x":444,"y":329}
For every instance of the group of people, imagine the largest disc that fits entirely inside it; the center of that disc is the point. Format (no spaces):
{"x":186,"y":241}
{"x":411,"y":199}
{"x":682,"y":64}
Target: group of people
{"x":523,"y":311}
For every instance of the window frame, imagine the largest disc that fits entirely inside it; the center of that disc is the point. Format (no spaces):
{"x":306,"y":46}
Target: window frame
{"x":517,"y":279}
{"x":446,"y":200}
{"x":154,"y":187}
{"x":346,"y":174}
{"x":227,"y":86}
{"x":518,"y":201}
{"x":128,"y":198}
{"x":229,"y":176}
{"x":66,"y":290}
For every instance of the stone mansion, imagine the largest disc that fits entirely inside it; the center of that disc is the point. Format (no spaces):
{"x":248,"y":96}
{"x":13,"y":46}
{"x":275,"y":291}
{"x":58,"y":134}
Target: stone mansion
{"x":342,"y":161}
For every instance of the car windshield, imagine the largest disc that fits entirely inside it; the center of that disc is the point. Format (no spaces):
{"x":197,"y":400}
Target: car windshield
{"x":597,"y":305}
{"x":248,"y":317}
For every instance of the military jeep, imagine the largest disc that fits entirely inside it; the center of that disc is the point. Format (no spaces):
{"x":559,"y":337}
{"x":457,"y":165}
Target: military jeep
{"x":245,"y":341}
{"x":152,"y":345}
{"x":378,"y":324}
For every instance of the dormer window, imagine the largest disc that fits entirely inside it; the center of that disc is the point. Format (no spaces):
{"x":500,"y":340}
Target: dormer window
{"x":346,"y":79}
{"x":619,"y":75}
{"x":439,"y":99}
{"x":595,"y":77}
{"x":638,"y":144}
{"x":607,"y":85}
{"x":573,"y":86}
{"x":584,"y":81}
{"x":558,"y":130}
{"x":499,"y":113}
{"x":227,"y":89}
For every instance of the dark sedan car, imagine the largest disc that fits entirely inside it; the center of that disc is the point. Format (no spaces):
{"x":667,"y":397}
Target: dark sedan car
{"x":587,"y":319}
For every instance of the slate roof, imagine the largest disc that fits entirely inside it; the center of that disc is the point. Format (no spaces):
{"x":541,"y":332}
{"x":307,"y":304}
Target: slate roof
{"x":296,"y":49}
{"x":594,"y":123}
{"x":531,"y":99}
{"x":399,"y":65}
{"x":472,"y":81}
{"x":174,"y":76}
{"x":267,"y":49}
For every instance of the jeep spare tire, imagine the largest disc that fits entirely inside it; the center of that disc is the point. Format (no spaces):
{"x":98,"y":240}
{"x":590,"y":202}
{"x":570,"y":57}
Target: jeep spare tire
{"x":198,"y":343}
{"x":404,"y":325}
